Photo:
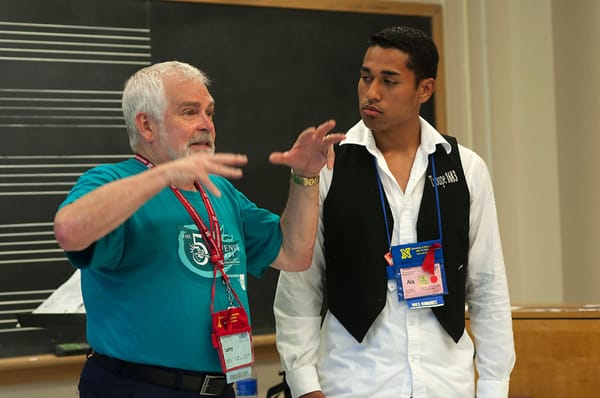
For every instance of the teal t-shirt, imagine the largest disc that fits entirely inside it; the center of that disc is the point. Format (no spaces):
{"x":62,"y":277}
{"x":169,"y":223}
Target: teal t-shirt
{"x":147,"y":284}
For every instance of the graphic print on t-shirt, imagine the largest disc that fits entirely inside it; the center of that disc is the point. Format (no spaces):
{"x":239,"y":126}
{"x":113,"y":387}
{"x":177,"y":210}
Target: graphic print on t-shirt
{"x":194,"y":254}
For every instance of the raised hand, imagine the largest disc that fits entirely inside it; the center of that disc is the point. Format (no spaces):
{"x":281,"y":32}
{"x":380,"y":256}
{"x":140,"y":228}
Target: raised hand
{"x":183,"y":172}
{"x":311,"y":151}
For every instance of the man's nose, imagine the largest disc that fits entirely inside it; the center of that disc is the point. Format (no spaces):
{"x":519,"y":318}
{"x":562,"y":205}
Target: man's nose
{"x":373,"y":92}
{"x":206,"y":123}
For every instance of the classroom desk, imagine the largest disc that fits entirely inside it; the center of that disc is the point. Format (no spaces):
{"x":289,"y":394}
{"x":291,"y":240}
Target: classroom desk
{"x":39,"y":368}
{"x":558,"y":351}
{"x":558,"y":355}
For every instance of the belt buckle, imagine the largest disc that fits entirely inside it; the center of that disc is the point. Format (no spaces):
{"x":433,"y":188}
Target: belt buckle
{"x":208,"y":387}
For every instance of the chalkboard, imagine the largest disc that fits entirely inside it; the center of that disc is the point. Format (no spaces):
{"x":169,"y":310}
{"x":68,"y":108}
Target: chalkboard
{"x":276,"y":67}
{"x":274,"y":72}
{"x":62,"y":68}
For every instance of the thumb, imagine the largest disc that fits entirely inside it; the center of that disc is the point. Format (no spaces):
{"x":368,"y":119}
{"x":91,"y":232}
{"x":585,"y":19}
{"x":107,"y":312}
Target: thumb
{"x":277,"y":157}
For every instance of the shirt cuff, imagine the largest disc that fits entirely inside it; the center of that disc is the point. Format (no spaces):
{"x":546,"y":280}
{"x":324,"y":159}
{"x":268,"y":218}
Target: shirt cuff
{"x":492,"y":389}
{"x":302,"y":380}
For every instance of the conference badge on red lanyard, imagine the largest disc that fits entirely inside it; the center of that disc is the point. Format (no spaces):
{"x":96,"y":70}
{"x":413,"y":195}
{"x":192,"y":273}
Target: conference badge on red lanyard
{"x":233,"y":340}
{"x":231,"y":331}
{"x":232,"y":334}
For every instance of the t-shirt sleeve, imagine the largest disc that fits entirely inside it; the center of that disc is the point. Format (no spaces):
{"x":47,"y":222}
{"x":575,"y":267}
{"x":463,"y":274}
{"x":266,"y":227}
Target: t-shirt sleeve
{"x":105,"y":252}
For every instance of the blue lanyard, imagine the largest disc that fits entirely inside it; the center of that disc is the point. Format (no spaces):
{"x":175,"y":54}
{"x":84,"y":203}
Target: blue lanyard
{"x":382,"y":198}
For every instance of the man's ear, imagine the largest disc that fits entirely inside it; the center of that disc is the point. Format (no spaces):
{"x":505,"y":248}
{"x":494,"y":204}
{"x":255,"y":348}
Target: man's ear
{"x":147,"y":126}
{"x":426,"y":89}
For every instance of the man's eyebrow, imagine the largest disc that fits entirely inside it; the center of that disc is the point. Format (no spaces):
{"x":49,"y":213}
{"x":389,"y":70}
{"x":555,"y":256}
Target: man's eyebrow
{"x":211,"y":103}
{"x":189,"y":103}
{"x":383,"y":72}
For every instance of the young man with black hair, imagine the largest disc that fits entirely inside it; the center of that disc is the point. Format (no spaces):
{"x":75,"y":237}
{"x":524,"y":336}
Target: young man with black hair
{"x":408,"y":235}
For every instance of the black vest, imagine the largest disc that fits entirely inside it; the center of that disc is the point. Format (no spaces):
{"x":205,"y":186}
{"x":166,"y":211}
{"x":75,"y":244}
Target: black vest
{"x":355,"y":237}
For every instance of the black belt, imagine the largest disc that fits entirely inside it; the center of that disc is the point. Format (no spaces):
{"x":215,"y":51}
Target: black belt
{"x":212,"y":385}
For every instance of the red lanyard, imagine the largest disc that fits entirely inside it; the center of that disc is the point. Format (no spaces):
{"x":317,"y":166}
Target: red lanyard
{"x":212,"y":234}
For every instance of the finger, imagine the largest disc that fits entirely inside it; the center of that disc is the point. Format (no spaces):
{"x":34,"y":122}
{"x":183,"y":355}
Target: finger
{"x":306,"y":135}
{"x":330,"y":157}
{"x":325,"y":127}
{"x":231,"y":159}
{"x":225,"y":165}
{"x":333,"y":138}
{"x":225,"y":171}
{"x":210,"y":186}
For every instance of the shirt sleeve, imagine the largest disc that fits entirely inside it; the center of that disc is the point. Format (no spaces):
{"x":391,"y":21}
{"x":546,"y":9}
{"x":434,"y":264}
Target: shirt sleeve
{"x":297,"y":309}
{"x":487,"y":293}
{"x":107,"y":251}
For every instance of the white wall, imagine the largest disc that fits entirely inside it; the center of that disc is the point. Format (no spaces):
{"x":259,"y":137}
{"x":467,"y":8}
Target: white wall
{"x":523,"y":91}
{"x":577,"y":79}
{"x":507,"y":60}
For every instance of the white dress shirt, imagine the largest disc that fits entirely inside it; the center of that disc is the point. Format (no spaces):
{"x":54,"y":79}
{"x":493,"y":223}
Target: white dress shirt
{"x":406,"y":353}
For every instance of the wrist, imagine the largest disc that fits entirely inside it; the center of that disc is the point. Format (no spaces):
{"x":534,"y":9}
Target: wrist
{"x":304,"y":180}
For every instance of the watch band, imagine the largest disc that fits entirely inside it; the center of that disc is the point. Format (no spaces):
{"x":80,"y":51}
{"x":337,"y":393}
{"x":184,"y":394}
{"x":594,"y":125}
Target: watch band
{"x":304,"y":181}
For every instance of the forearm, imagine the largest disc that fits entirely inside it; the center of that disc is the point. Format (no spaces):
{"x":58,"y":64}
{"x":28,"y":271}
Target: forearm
{"x":491,"y":327}
{"x":94,"y":215}
{"x":495,"y":356}
{"x":299,"y":223}
{"x":297,"y":309}
{"x":309,"y":154}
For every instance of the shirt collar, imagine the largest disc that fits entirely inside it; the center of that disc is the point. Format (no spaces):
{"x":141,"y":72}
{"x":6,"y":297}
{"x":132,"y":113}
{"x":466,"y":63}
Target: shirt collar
{"x":360,"y":134}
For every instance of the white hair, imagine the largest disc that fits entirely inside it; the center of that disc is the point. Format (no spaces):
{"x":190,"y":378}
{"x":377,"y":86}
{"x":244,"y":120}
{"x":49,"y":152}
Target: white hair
{"x":144,"y":92}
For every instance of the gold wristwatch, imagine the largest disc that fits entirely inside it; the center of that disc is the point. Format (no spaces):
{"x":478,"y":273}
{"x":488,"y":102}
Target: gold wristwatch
{"x":304,"y":181}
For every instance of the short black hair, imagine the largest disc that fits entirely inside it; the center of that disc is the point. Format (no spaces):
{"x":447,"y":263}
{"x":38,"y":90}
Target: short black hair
{"x":422,"y":52}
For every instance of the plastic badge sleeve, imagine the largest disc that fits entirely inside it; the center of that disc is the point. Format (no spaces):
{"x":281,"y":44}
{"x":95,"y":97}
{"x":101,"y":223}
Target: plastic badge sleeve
{"x":232,"y":337}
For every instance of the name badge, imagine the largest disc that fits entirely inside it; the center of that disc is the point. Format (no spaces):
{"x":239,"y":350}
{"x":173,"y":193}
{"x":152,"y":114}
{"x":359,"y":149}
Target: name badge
{"x":418,"y":269}
{"x":232,"y":338}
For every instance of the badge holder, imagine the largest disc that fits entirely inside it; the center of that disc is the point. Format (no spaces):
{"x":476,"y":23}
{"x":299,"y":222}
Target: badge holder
{"x":231,"y":333}
{"x":232,"y":338}
{"x":418,"y":270}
